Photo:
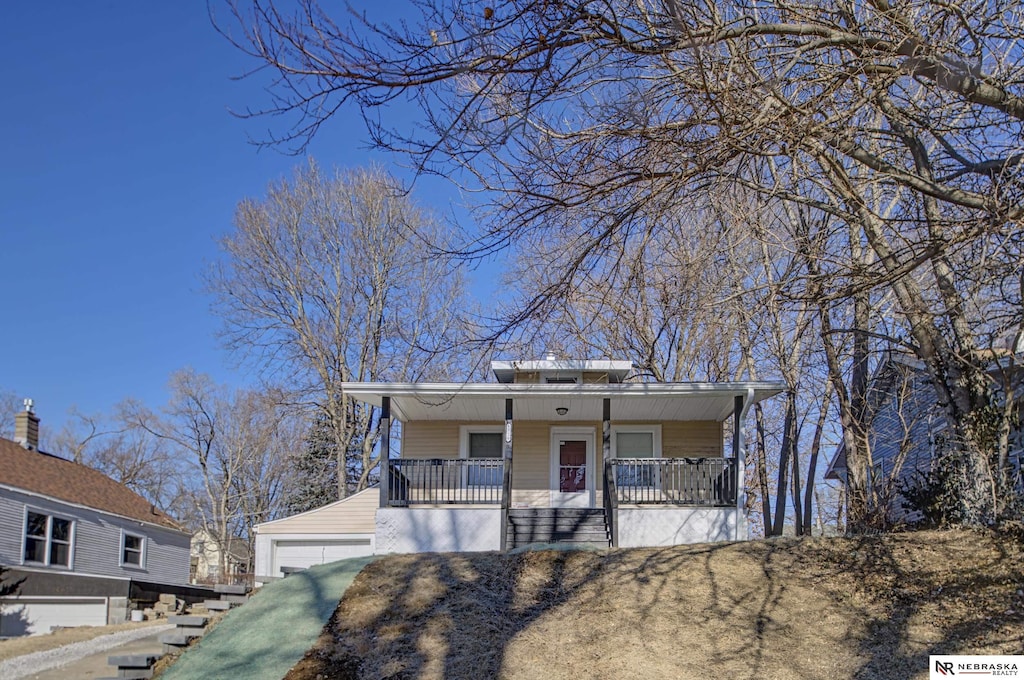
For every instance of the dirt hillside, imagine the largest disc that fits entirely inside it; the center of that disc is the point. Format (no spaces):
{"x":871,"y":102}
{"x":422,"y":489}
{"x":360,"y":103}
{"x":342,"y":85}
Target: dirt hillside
{"x":872,"y":607}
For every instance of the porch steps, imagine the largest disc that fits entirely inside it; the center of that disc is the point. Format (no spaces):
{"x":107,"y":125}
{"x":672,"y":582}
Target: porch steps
{"x":557,"y":525}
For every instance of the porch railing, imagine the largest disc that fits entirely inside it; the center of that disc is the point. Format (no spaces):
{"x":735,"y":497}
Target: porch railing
{"x":674,"y":481}
{"x":611,"y":502}
{"x":439,"y":481}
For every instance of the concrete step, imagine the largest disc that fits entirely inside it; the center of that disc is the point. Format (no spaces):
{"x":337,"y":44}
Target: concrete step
{"x":230,"y":589}
{"x":177,"y":638}
{"x":132,"y":674}
{"x":133,"y":666}
{"x":189,"y":620}
{"x":219,"y":605}
{"x":133,"y":660}
{"x":239,"y":599}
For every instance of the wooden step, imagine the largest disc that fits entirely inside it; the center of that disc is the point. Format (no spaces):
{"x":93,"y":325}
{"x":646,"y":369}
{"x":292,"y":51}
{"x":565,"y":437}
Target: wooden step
{"x":556,"y":525}
{"x":556,"y":512}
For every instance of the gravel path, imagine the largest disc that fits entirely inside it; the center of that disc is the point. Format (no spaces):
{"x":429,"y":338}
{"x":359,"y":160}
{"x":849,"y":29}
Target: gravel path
{"x":37,"y":662}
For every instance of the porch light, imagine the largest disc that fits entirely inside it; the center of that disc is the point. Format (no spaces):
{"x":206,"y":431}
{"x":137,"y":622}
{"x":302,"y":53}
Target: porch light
{"x":561,"y":410}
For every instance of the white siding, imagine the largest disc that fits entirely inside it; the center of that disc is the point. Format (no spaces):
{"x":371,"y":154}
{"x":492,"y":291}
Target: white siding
{"x":97,"y":540}
{"x":352,"y":515}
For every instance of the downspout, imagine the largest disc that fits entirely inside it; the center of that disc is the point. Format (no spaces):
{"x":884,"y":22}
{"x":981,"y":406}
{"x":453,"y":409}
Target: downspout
{"x":739,"y":451}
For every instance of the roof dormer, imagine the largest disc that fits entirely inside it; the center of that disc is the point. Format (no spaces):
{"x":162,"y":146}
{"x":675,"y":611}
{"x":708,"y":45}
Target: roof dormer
{"x":551,"y":370}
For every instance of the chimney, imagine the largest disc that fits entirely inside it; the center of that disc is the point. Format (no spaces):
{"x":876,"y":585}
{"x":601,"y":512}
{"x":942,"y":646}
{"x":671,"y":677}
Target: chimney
{"x":26,"y":427}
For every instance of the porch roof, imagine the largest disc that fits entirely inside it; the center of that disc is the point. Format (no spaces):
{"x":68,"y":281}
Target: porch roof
{"x":649,"y":402}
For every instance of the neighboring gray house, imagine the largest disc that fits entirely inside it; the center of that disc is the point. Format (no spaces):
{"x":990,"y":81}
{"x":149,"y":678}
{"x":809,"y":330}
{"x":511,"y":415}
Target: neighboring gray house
{"x":81,"y":544}
{"x":907,"y":427}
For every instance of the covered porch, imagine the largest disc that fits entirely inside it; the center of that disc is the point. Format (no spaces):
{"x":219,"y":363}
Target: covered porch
{"x":650,"y":460}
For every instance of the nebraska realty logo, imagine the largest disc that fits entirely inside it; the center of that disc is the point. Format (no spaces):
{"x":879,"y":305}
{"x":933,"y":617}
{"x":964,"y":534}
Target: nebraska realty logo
{"x":968,"y":666}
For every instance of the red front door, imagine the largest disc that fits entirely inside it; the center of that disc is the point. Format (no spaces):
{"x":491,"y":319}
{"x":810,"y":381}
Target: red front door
{"x":572,"y":466}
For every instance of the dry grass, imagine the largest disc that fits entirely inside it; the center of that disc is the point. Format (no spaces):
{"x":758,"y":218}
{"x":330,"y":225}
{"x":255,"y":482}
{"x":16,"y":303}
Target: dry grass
{"x":18,"y":646}
{"x":872,"y":607}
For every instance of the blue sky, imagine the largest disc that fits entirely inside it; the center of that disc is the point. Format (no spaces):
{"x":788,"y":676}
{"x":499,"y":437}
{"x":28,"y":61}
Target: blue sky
{"x":122,"y":165}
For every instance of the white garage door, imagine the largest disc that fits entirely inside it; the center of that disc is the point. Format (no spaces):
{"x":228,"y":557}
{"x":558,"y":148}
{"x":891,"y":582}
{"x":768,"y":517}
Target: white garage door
{"x":302,"y":554}
{"x":32,"y":617}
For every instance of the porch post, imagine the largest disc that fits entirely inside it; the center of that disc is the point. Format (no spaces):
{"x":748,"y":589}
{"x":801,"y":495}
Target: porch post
{"x":385,"y":448}
{"x":741,"y":405}
{"x":606,"y":429}
{"x":611,"y":505}
{"x":738,"y":455}
{"x":506,"y":482}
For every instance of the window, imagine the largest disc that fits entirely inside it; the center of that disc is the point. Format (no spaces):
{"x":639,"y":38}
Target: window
{"x":561,"y":378}
{"x":636,"y":441}
{"x":482,"y":442}
{"x":132,"y":550}
{"x":47,"y":539}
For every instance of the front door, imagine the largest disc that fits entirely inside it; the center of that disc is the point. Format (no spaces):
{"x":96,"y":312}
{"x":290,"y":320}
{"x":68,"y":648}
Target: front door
{"x":572,"y":468}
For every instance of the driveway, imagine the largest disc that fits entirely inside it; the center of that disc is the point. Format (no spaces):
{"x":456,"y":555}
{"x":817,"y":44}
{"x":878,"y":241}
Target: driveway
{"x":83,"y":660}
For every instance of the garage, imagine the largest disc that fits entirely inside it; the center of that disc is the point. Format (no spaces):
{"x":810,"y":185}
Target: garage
{"x":333,"y":532}
{"x":302,"y":554}
{"x":28,"y":616}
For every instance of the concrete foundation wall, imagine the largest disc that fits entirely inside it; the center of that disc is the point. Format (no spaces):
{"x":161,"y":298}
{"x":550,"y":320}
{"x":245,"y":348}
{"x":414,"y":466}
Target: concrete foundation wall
{"x":410,"y":530}
{"x":117,"y":610}
{"x":664,"y":526}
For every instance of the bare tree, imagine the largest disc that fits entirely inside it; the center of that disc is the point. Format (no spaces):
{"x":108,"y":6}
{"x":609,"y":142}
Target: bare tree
{"x":235,"y":445}
{"x":898,"y":123}
{"x":117,"y":446}
{"x":79,"y":432}
{"x":701,"y":297}
{"x":10,"y":405}
{"x":330,"y":279}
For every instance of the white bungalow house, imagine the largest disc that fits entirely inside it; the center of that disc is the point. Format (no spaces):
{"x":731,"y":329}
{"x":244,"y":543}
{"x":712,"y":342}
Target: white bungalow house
{"x":561,"y":450}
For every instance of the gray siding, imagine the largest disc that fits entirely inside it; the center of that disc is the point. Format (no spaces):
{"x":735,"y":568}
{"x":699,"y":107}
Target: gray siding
{"x":904,"y":426}
{"x":97,"y":540}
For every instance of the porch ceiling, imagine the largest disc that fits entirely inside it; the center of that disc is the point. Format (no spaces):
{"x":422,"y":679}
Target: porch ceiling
{"x":629,"y":401}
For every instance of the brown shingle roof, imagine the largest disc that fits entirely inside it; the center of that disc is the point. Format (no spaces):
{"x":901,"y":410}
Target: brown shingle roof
{"x":66,"y":480}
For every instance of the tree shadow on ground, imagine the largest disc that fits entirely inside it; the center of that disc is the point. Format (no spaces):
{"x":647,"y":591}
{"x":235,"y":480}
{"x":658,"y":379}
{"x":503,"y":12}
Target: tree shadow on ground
{"x":821,"y":608}
{"x":964,"y":597}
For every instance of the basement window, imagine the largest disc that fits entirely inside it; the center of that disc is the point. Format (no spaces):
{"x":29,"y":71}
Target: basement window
{"x":48,"y":539}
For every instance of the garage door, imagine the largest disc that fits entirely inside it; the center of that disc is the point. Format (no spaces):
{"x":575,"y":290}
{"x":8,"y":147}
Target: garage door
{"x":302,"y":554}
{"x":32,"y":617}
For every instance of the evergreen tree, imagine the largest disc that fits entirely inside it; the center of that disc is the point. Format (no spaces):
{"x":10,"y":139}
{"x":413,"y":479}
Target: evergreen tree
{"x":316,"y":470}
{"x":8,"y":587}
